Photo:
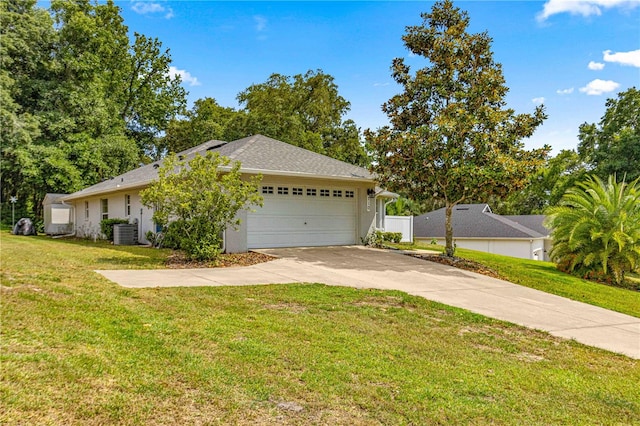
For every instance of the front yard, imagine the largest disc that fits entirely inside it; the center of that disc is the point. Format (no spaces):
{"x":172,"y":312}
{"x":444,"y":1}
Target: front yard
{"x":77,"y":349}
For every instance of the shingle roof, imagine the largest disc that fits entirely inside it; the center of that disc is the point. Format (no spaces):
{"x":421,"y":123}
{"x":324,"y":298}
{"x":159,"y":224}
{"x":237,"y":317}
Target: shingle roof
{"x":257,"y":154}
{"x":477,"y":221}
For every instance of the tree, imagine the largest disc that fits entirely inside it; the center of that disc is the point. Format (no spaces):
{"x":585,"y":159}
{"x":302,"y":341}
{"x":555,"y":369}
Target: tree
{"x":303,"y":110}
{"x":201,"y":198}
{"x":79,"y":102}
{"x":545,"y":188}
{"x":613,"y":146}
{"x":205,"y":121}
{"x":452,"y":139}
{"x":597,"y":227}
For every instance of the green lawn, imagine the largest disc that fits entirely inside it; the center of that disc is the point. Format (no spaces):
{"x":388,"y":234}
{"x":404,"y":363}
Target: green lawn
{"x":78,"y":349}
{"x":544,"y":276}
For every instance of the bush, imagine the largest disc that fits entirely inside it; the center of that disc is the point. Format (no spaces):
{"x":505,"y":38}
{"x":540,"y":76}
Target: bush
{"x":392,"y":237}
{"x":106,"y":226}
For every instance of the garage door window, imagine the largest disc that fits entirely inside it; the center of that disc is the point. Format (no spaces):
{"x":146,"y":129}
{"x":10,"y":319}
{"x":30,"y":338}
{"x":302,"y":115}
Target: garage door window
{"x":348,"y":194}
{"x":311,"y":192}
{"x":337,"y":193}
{"x":267,"y":189}
{"x":283,"y":190}
{"x":325,"y":193}
{"x":297,"y":191}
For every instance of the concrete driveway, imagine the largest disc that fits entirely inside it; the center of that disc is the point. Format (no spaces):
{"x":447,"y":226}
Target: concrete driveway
{"x":362,"y":267}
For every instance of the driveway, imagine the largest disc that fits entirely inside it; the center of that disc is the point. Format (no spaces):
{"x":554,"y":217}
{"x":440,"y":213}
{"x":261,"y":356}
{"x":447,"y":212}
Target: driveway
{"x":362,"y":267}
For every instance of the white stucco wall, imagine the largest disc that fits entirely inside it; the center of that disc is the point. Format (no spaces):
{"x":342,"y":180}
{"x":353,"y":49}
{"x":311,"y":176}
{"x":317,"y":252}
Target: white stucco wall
{"x":522,"y":248}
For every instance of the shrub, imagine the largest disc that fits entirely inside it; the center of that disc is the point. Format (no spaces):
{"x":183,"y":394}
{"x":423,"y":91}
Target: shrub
{"x":106,"y":226}
{"x":392,"y":237}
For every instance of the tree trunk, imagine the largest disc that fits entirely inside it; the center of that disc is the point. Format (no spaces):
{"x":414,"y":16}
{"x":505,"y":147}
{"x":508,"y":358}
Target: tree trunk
{"x":448,"y":230}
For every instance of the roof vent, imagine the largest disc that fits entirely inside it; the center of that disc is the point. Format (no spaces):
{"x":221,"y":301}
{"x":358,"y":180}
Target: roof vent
{"x":462,"y":208}
{"x":218,"y":145}
{"x":156,"y":165}
{"x":180,"y":157}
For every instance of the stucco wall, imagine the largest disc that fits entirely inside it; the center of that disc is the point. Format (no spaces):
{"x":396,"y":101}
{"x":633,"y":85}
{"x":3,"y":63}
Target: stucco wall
{"x":521,"y":248}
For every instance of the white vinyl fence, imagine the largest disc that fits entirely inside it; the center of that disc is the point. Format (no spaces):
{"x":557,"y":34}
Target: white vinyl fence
{"x":403,"y":224}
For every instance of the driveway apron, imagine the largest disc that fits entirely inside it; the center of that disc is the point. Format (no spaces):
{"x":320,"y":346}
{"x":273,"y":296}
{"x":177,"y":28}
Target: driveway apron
{"x":361,"y":267}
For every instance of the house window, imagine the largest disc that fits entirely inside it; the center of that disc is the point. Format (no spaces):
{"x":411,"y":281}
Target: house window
{"x":311,"y":192}
{"x":86,"y":210}
{"x":283,"y":190}
{"x":349,"y":194}
{"x":127,"y":205}
{"x":325,"y":193}
{"x":296,"y":191}
{"x":104,"y":208}
{"x":337,"y":193}
{"x":267,"y":189}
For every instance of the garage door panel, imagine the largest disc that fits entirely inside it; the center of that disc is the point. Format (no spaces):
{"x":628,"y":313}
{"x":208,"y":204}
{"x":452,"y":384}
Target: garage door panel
{"x":302,"y":221}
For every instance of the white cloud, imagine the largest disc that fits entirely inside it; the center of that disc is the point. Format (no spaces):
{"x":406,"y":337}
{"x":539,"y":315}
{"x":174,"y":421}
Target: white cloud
{"x":145,"y":7}
{"x":582,"y":7}
{"x":261,"y":23}
{"x":631,"y":58}
{"x":565,"y":91}
{"x":185,"y":76}
{"x":595,"y":66}
{"x":538,"y":101}
{"x":598,"y":87}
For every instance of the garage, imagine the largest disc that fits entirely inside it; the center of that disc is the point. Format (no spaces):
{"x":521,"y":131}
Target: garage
{"x":297,"y":216}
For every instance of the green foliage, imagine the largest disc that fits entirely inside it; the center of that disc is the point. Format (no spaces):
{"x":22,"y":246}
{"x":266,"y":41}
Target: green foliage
{"x":79,"y":101}
{"x":403,"y":207}
{"x":205,"y":121}
{"x":392,"y":237}
{"x":596,"y":227}
{"x":106,"y":226}
{"x":452,"y":139}
{"x":613,"y":146}
{"x":374,"y":238}
{"x":303,"y":110}
{"x":200,"y":197}
{"x":545,"y":188}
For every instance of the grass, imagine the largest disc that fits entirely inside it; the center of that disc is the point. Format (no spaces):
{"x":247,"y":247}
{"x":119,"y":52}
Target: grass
{"x":545,"y":277}
{"x":78,"y":349}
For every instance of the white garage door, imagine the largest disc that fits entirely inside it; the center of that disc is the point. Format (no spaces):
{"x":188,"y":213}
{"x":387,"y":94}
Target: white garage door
{"x":297,"y":216}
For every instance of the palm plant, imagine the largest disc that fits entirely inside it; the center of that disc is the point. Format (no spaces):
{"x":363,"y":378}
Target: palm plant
{"x":596,"y":227}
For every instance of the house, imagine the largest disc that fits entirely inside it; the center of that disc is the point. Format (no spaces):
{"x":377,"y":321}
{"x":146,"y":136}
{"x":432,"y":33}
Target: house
{"x":476,"y":227}
{"x":309,"y":199}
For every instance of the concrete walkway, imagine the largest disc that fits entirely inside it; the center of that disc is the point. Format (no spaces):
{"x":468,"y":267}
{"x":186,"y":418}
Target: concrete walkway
{"x":368,"y":268}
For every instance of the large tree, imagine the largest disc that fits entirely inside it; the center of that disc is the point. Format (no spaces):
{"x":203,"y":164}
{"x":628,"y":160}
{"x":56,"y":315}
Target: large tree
{"x":451,"y":136}
{"x":79,"y":101}
{"x":613,"y":146}
{"x":305,"y":110}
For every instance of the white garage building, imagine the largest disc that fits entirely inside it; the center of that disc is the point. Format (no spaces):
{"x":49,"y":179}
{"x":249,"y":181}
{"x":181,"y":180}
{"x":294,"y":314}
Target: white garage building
{"x":309,"y":199}
{"x":476,"y":227}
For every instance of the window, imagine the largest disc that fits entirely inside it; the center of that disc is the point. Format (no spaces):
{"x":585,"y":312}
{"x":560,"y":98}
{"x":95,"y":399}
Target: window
{"x":283,"y":190}
{"x":296,"y":191}
{"x":127,"y":205}
{"x":267,"y":189}
{"x":311,"y":192}
{"x":86,"y":210}
{"x":349,"y":194}
{"x":325,"y":193}
{"x":104,"y":208}
{"x":337,"y":193}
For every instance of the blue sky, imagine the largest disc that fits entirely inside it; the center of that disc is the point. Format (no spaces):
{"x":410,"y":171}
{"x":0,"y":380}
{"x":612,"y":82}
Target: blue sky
{"x":571,"y":55}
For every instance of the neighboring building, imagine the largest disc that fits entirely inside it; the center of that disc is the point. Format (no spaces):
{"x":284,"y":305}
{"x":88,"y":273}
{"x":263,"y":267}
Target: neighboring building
{"x":58,"y":216}
{"x":476,"y":227}
{"x":309,"y":199}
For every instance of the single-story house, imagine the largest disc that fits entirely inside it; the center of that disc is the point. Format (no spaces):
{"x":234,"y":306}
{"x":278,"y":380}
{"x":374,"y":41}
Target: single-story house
{"x":476,"y":227}
{"x":309,"y":199}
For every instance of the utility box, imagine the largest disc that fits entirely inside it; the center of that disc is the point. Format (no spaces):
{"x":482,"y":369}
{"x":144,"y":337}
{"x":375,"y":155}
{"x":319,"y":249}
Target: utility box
{"x":125,"y":234}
